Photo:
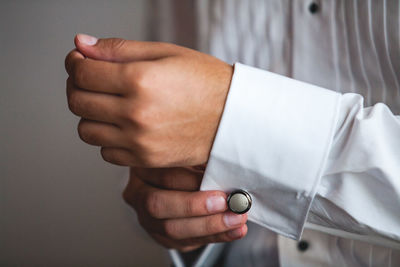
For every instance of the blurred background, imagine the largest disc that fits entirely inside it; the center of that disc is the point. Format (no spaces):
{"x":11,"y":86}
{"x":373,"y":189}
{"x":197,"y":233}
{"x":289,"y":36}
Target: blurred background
{"x":60,"y":203}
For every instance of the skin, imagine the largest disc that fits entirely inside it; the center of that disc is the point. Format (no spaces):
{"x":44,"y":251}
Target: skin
{"x":147,"y":104}
{"x":175,"y":214}
{"x":156,"y":105}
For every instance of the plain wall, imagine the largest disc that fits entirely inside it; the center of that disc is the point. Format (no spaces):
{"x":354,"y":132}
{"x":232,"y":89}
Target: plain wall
{"x":60,"y":204}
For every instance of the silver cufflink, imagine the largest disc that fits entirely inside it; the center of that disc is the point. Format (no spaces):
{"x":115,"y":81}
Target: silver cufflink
{"x":239,"y":201}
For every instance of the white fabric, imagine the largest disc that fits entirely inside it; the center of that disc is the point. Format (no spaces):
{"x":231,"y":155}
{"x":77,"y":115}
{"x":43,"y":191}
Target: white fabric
{"x":265,"y":146}
{"x":278,"y":137}
{"x":351,"y":189}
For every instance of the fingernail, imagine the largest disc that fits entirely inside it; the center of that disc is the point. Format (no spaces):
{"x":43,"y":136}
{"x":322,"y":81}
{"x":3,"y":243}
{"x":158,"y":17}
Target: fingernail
{"x":232,"y":219}
{"x":235,"y":233}
{"x":86,"y":39}
{"x":216,"y":203}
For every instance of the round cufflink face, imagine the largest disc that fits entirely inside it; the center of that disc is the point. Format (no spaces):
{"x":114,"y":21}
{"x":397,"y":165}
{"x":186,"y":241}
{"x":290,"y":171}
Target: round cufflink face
{"x":239,"y":201}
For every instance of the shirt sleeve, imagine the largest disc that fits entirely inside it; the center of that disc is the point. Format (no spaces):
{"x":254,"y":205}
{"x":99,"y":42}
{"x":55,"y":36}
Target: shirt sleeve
{"x":307,"y":153}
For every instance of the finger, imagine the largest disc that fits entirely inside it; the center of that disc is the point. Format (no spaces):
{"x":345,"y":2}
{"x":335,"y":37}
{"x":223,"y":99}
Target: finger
{"x":100,"y":134}
{"x":121,"y":50}
{"x":93,"y":106}
{"x":200,"y":226}
{"x":193,"y":243}
{"x":185,"y":179}
{"x":94,"y":75}
{"x":168,"y":204}
{"x":118,"y":156}
{"x":71,"y":59}
{"x":133,"y":193}
{"x":228,"y":236}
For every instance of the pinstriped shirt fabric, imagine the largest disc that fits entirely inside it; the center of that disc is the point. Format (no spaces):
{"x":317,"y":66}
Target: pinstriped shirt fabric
{"x":348,"y":46}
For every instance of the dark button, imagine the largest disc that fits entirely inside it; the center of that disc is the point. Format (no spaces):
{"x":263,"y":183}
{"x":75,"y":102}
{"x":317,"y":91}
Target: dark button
{"x":313,"y":7}
{"x":302,"y":245}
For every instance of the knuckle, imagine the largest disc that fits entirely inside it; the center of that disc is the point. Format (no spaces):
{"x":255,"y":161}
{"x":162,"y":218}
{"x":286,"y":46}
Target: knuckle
{"x":128,"y":113}
{"x":85,"y":133}
{"x":153,"y":204}
{"x":78,"y":75}
{"x":73,"y":102}
{"x":82,"y":131}
{"x":106,"y":155}
{"x":145,"y":154}
{"x":67,"y":61}
{"x":140,"y":116}
{"x":138,"y":76}
{"x":190,"y":206}
{"x":111,"y":155}
{"x":114,"y":45}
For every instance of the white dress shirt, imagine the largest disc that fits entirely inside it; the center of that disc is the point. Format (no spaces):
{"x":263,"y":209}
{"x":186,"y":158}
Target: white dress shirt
{"x":310,"y":126}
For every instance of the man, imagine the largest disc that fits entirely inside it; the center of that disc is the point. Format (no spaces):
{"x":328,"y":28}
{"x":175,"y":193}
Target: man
{"x":318,"y":164}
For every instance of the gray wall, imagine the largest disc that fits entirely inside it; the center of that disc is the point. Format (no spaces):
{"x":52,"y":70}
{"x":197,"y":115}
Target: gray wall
{"x":60,"y":204}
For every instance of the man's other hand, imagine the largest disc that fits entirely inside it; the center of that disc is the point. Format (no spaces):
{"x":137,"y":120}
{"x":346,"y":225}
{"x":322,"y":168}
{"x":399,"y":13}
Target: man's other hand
{"x":146,"y":104}
{"x":175,"y":214}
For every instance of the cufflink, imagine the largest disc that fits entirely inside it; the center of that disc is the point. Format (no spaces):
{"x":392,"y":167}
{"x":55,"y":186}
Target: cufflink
{"x":239,"y":201}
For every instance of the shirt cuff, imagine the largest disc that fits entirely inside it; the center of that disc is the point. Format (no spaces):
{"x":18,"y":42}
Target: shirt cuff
{"x":273,"y":140}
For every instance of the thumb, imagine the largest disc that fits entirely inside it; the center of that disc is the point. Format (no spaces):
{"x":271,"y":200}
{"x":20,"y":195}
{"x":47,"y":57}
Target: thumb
{"x":121,"y":50}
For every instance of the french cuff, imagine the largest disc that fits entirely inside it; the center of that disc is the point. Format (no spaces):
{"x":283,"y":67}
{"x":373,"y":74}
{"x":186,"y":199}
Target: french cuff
{"x":273,"y":140}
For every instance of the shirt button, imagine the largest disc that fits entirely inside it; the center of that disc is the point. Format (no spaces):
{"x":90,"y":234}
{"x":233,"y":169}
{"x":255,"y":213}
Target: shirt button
{"x":239,"y":201}
{"x":302,"y":245}
{"x":313,"y":8}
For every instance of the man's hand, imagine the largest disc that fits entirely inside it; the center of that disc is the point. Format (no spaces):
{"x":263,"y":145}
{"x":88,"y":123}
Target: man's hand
{"x":146,"y":104}
{"x":183,"y":220}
